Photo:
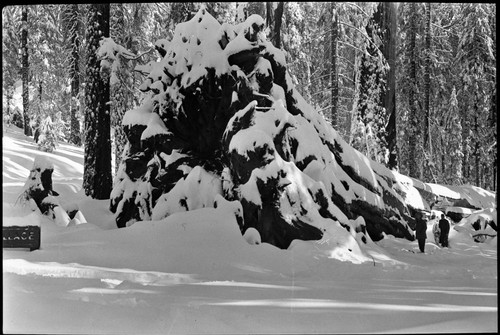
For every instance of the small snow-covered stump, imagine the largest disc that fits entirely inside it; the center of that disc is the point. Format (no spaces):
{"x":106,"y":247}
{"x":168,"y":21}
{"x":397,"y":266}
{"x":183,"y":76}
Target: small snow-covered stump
{"x":38,"y":192}
{"x":38,"y":186}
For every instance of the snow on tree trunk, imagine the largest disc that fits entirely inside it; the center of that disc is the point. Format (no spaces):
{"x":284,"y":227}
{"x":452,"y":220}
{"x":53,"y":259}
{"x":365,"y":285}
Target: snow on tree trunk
{"x":221,"y":116}
{"x":97,"y":180}
{"x":389,"y":24}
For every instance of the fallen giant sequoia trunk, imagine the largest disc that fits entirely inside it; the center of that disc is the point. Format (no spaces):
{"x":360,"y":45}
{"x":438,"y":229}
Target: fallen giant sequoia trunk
{"x":221,"y":116}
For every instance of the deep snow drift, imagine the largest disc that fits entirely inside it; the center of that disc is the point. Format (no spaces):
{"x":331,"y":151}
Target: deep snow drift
{"x":194,"y":272}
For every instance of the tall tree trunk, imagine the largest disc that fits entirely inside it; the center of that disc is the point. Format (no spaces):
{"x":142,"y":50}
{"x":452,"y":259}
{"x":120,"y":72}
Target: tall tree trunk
{"x":278,"y":18}
{"x":74,"y":72}
{"x":427,"y":77}
{"x":119,"y":95}
{"x":269,"y":13}
{"x":476,"y":146}
{"x":389,"y":94}
{"x":40,"y":91}
{"x":427,"y":95}
{"x":494,"y":127}
{"x":334,"y":80}
{"x":97,"y":180}
{"x":414,"y":124}
{"x":25,"y":70}
{"x":9,"y":99}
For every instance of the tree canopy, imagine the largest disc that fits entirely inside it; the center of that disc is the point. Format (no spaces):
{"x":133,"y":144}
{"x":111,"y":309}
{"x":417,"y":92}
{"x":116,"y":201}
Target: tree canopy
{"x":443,"y":125}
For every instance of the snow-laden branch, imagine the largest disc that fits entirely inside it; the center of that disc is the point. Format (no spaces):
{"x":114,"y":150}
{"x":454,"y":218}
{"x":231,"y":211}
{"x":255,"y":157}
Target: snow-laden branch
{"x":110,"y":53}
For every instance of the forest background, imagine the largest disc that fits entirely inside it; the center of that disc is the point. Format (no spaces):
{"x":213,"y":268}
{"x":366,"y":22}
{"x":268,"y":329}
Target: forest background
{"x":410,"y":85}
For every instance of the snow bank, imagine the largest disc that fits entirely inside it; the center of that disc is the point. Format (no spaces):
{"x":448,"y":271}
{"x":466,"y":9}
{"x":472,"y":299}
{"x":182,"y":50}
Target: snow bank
{"x":198,"y":190}
{"x":476,"y":196}
{"x":480,"y":225}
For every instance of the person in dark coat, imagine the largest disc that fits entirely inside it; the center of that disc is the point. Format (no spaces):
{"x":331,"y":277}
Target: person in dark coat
{"x":37,"y":134}
{"x":421,"y":231}
{"x":444,"y":226}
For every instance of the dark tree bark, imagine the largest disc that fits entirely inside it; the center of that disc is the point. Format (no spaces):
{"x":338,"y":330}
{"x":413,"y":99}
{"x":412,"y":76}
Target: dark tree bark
{"x":120,"y":100}
{"x":427,"y":143}
{"x":97,"y":180}
{"x":25,"y":70}
{"x":278,"y":18}
{"x":389,"y":95}
{"x":414,"y":124}
{"x":269,"y":13}
{"x":477,"y":149}
{"x":74,"y":75}
{"x":382,"y":25}
{"x":427,"y":76}
{"x":334,"y":80}
{"x":40,"y":91}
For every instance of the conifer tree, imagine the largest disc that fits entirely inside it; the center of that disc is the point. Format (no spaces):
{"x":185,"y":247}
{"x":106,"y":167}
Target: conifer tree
{"x":97,"y":180}
{"x":73,"y":25}
{"x":25,"y":70}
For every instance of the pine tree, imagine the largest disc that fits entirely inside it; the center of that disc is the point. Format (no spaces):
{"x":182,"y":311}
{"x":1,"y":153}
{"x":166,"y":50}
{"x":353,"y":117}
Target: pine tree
{"x":73,"y":26}
{"x":373,"y":78}
{"x":25,"y":70}
{"x":414,"y":118}
{"x":389,"y":36}
{"x":427,"y":139}
{"x":278,"y":18}
{"x":10,"y":58}
{"x":454,"y":145}
{"x":48,"y":137}
{"x":97,"y":180}
{"x":476,"y":68}
{"x":120,"y":100}
{"x":334,"y":80}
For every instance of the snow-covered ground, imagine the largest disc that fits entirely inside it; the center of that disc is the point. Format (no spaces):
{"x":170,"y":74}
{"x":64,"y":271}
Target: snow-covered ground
{"x":194,"y":273}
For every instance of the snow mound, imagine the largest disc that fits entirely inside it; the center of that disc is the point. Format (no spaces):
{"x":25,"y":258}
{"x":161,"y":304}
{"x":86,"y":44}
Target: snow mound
{"x":480,"y":225}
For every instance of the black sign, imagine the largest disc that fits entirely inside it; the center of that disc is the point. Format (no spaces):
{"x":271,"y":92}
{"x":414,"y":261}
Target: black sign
{"x":21,"y":237}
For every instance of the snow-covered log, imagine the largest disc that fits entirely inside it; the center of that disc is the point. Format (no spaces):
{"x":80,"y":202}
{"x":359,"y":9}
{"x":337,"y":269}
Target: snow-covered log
{"x":221,"y":116}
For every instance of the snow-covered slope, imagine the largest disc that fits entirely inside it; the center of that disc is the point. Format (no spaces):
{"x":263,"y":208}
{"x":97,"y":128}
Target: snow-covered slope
{"x":194,"y":272}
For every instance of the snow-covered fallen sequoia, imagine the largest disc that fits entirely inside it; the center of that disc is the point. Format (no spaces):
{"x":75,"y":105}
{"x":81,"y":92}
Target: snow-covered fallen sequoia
{"x":221,"y":117}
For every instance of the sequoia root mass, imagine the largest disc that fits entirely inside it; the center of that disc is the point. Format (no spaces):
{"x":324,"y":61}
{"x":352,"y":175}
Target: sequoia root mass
{"x":221,"y":116}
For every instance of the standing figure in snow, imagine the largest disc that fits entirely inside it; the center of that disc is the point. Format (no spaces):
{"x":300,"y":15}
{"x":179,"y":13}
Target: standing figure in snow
{"x":421,"y":231}
{"x":37,"y":134}
{"x":444,"y":226}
